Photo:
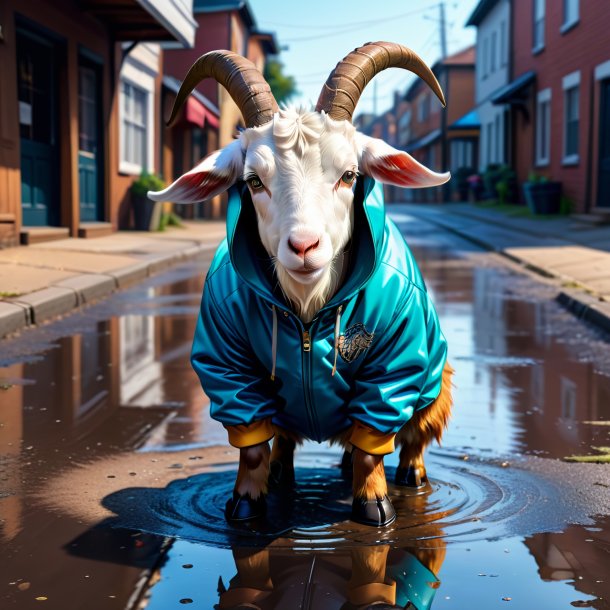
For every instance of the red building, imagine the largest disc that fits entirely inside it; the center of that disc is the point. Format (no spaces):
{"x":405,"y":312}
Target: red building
{"x":443,"y":139}
{"x":560,"y":97}
{"x":222,"y":24}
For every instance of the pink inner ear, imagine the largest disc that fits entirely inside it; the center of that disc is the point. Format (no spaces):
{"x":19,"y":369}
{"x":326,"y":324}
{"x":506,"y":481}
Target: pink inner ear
{"x":403,"y":170}
{"x":196,"y":186}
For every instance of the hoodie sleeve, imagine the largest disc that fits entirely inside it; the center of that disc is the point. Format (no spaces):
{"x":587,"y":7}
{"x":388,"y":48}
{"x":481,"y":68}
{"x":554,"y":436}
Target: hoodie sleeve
{"x":402,"y":374}
{"x":231,"y":376}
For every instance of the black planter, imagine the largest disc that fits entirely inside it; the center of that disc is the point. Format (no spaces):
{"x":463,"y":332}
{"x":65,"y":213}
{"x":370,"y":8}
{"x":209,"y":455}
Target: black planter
{"x":146,"y":213}
{"x":543,"y":197}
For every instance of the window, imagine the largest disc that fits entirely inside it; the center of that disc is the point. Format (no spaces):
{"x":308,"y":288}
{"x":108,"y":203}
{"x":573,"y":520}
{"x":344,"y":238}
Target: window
{"x":571,"y":117}
{"x":498,"y":152}
{"x":134,"y":127}
{"x":488,"y":144}
{"x":570,"y":14}
{"x":485,"y":57}
{"x":503,"y":49}
{"x":494,"y":44}
{"x":538,"y":38}
{"x":461,"y":154}
{"x":543,"y":127}
{"x":423,"y":110}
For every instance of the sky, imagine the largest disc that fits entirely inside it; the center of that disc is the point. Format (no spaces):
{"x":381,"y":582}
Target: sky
{"x":316,"y":34}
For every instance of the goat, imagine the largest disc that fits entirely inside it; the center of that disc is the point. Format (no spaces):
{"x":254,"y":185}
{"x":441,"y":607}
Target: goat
{"x":327,"y":281}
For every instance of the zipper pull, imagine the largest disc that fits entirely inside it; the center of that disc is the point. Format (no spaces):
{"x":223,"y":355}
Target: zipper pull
{"x":306,"y":341}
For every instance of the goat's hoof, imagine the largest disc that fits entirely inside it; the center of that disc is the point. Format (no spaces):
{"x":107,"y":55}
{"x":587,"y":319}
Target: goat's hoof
{"x":377,"y":513}
{"x":244,"y":508}
{"x":281,"y":476}
{"x":410,"y":477}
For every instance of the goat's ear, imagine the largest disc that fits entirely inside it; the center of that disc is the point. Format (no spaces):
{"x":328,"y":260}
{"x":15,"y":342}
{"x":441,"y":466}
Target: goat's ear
{"x":391,"y":166}
{"x":215,"y":174}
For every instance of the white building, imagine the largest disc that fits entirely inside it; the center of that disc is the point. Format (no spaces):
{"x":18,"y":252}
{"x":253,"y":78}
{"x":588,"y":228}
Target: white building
{"x":492,"y":20}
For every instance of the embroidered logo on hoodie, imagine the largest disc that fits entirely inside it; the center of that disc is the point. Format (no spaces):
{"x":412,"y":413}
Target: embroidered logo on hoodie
{"x":354,"y":341}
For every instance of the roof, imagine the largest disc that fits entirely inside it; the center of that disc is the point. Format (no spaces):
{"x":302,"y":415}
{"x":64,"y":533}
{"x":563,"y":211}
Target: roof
{"x":481,"y":11}
{"x":514,"y":90}
{"x":216,"y":6}
{"x":470,"y":120}
{"x":268,"y":41}
{"x":465,"y":57}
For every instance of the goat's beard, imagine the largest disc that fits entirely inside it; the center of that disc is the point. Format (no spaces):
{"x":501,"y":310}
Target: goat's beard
{"x":307,"y":299}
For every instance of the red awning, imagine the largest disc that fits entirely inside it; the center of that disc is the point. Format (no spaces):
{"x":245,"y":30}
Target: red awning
{"x":198,"y":114}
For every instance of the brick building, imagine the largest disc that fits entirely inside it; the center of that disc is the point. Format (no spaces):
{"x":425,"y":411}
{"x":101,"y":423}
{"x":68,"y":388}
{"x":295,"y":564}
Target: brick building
{"x":559,"y":97}
{"x":222,"y":24}
{"x":79,"y":109}
{"x":443,"y":139}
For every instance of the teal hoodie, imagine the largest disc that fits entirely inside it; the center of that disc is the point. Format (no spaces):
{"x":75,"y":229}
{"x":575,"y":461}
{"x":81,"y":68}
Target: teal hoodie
{"x":373,"y":354}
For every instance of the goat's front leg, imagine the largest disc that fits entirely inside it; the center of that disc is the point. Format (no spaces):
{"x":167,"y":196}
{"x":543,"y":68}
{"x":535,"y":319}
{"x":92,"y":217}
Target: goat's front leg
{"x":371,"y":505}
{"x":248,"y":501}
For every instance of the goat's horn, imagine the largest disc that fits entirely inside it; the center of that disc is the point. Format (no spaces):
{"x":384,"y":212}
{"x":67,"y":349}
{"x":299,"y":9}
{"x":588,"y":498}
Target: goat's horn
{"x":240,"y":77}
{"x":347,"y":81}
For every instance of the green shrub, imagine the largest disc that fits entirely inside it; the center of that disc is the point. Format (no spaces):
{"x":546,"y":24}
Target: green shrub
{"x":147,"y":182}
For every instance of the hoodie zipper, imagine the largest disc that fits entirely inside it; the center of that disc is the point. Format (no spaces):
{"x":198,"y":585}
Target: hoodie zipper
{"x":307,"y":383}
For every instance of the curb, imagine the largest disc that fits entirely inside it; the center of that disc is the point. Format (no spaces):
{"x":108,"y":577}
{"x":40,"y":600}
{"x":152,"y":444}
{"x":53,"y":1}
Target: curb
{"x":583,"y":305}
{"x":67,"y":295}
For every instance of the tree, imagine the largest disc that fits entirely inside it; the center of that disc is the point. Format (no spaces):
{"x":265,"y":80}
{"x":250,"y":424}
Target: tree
{"x":283,"y":87}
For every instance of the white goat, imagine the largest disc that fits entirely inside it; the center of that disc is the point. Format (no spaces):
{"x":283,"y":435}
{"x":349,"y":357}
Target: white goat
{"x":301,"y":169}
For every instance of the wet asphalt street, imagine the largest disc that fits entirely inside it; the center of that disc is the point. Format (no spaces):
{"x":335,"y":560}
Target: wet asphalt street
{"x":113,"y":477}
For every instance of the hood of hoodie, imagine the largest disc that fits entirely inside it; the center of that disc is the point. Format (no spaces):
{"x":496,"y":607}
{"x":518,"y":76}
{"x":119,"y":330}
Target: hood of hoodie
{"x":252,"y":263}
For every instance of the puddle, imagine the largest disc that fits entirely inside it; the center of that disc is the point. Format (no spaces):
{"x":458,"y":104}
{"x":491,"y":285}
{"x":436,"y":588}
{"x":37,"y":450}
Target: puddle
{"x":113,"y":477}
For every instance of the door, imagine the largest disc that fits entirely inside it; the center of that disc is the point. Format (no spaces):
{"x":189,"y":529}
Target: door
{"x":603,"y":185}
{"x":36,"y":90}
{"x":89,"y":148}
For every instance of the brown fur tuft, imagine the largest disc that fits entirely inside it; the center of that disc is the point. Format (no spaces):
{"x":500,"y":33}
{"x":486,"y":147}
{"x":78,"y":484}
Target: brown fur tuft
{"x":426,"y":425}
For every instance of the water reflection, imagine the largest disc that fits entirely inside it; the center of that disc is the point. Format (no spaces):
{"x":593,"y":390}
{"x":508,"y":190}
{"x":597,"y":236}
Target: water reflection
{"x":357,"y":579}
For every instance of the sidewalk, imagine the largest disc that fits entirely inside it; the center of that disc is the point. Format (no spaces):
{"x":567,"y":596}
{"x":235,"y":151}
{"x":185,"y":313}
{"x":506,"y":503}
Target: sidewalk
{"x":574,"y":253}
{"x":41,"y":281}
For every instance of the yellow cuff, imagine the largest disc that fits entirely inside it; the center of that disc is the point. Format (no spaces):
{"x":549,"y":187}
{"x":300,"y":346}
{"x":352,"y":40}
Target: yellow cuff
{"x":370,"y":440}
{"x":254,"y":434}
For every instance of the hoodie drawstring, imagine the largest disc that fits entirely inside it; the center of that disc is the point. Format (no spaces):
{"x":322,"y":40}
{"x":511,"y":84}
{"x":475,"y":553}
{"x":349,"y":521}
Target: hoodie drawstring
{"x":273,"y":343}
{"x":337,"y":331}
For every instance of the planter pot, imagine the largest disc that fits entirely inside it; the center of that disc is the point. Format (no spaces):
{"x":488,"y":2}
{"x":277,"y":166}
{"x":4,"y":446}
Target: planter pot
{"x":146,"y":213}
{"x":542,"y":197}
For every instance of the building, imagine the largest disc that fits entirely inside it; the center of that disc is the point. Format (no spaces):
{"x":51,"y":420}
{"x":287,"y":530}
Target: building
{"x":79,"y":106}
{"x":444,"y":139}
{"x":559,"y":97}
{"x":222,"y":24}
{"x":492,"y":20}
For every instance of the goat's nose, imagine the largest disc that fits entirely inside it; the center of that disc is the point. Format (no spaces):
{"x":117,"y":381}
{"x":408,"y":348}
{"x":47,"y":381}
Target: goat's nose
{"x":301,"y":244}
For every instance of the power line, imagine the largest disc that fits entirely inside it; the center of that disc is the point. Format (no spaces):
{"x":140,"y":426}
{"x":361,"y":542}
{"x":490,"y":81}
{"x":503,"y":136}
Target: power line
{"x":350,"y":24}
{"x":354,"y":28}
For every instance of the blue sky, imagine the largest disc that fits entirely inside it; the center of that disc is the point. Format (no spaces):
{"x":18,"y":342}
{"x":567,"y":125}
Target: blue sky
{"x":319,"y":33}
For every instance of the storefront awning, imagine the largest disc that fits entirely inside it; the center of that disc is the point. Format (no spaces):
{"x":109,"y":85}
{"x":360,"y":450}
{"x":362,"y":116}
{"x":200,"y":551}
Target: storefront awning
{"x":146,"y":20}
{"x":514,"y":93}
{"x":198,"y":109}
{"x":469,"y":121}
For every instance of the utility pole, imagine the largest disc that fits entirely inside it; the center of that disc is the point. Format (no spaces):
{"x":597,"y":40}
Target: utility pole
{"x":443,"y":27}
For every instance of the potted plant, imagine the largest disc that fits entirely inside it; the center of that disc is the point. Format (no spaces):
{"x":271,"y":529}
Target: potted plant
{"x":506,"y":186}
{"x":146,"y":213}
{"x":542,"y":195}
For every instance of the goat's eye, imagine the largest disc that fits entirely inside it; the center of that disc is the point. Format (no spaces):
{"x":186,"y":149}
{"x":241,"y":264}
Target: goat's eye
{"x":254,"y":182}
{"x":348,"y":177}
